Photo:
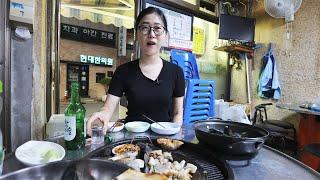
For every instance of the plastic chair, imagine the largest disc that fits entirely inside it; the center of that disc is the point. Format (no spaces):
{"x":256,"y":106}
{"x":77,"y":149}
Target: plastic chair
{"x":199,"y":100}
{"x":187,"y":61}
{"x":283,"y":124}
{"x":279,"y":130}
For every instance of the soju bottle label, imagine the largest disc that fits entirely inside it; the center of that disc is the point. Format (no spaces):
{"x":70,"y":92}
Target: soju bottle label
{"x":70,"y":128}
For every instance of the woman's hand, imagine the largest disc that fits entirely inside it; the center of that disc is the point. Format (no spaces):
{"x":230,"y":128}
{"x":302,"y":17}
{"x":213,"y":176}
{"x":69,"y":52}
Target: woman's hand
{"x":104,"y":115}
{"x":96,"y":118}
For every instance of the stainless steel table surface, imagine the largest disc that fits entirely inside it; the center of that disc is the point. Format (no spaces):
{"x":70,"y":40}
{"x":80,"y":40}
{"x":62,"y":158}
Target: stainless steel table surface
{"x":268,"y":164}
{"x":295,"y":107}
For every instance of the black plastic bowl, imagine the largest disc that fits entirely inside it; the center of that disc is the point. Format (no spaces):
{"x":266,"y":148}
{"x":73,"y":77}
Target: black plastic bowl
{"x":231,"y":147}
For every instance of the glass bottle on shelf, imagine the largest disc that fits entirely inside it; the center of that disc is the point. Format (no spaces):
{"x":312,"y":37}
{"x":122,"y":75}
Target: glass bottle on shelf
{"x":74,"y":135}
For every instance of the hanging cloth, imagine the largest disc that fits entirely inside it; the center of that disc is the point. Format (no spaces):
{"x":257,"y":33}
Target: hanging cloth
{"x":269,"y":86}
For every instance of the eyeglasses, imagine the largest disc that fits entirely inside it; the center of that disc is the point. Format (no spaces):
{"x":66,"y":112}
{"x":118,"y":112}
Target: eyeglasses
{"x":158,"y":29}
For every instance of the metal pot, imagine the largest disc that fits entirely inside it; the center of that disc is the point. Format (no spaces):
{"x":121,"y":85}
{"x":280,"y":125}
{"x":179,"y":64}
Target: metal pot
{"x":69,"y":170}
{"x":242,"y":143}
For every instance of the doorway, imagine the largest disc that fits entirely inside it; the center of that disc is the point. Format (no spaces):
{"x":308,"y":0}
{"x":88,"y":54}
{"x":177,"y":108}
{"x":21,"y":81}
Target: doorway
{"x":80,"y":74}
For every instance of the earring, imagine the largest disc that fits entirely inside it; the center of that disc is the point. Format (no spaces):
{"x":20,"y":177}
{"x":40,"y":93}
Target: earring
{"x":161,"y":49}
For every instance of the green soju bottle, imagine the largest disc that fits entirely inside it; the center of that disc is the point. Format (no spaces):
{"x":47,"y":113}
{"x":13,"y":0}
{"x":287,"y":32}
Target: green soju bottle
{"x":74,"y":134}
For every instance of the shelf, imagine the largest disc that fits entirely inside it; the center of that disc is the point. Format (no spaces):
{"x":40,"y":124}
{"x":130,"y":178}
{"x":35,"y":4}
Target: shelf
{"x":234,"y":48}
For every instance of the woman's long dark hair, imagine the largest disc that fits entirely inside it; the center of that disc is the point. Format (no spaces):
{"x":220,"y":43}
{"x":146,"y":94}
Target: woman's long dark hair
{"x":148,"y":11}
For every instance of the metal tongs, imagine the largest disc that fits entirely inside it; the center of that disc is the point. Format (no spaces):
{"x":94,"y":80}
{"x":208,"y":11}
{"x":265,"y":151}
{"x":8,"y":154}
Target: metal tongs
{"x":153,"y":121}
{"x":115,"y":124}
{"x":108,"y":138}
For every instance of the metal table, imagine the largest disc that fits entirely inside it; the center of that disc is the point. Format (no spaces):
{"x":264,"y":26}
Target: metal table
{"x":268,"y":164}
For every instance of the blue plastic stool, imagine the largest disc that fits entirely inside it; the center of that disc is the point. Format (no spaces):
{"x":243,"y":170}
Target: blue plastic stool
{"x":187,"y":61}
{"x":199,"y":100}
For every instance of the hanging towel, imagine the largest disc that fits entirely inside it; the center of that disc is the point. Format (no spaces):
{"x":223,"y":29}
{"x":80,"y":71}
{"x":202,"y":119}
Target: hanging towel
{"x":269,"y":86}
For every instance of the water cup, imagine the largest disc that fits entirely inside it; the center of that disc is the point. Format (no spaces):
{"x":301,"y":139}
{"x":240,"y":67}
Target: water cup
{"x":97,"y":136}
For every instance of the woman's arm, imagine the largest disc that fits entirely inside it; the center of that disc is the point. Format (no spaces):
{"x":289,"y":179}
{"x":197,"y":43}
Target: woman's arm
{"x":178,"y":110}
{"x":104,"y":115}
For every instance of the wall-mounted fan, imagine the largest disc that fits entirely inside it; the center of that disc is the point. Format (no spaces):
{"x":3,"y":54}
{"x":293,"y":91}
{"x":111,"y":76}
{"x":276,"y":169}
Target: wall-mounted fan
{"x":282,"y":8}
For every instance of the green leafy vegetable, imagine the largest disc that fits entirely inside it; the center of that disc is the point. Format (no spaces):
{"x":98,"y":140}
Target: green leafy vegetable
{"x":50,"y":155}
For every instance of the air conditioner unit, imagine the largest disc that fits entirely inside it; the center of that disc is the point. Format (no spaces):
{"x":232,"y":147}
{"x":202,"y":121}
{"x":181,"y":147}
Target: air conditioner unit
{"x":22,"y":11}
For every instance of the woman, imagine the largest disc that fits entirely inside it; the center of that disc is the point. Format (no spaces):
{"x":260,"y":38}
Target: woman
{"x":153,"y":87}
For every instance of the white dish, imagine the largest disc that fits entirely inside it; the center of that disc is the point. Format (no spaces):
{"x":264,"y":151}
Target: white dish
{"x":171,"y":128}
{"x":34,"y":153}
{"x":116,"y":129}
{"x":135,"y":153}
{"x":137,"y":126}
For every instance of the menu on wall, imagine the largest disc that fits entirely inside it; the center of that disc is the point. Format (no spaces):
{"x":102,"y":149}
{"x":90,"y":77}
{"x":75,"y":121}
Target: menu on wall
{"x":88,"y":35}
{"x":198,"y":44}
{"x":179,"y":27}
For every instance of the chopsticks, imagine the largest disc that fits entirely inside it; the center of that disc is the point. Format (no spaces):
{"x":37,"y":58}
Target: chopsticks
{"x":115,"y":124}
{"x":153,"y":121}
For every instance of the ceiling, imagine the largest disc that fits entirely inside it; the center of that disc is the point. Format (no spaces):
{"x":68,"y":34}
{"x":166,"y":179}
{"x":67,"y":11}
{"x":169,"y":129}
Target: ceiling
{"x":116,"y":12}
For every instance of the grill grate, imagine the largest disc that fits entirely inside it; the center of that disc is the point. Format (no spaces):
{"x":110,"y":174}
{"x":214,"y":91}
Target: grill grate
{"x":213,"y":172}
{"x":210,"y":167}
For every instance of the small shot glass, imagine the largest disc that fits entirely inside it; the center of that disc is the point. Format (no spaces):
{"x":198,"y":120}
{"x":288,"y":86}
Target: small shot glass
{"x":97,"y":136}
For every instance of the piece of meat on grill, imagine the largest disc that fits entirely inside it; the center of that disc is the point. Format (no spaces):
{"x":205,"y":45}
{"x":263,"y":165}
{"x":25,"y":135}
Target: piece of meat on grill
{"x":162,"y":163}
{"x":169,"y":144}
{"x":132,"y":174}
